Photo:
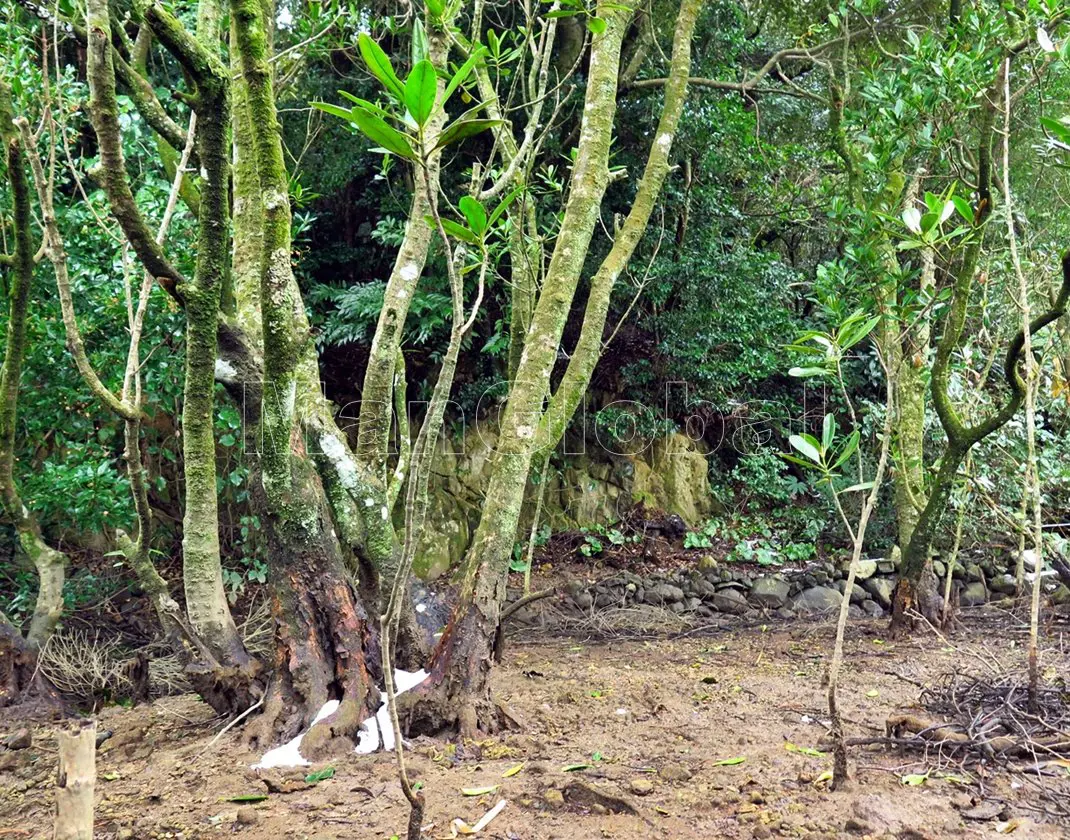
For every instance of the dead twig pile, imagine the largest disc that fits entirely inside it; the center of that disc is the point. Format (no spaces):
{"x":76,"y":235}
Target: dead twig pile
{"x":991,"y":716}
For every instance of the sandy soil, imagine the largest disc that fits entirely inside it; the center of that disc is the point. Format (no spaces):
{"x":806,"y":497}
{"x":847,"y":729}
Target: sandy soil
{"x":652,"y":720}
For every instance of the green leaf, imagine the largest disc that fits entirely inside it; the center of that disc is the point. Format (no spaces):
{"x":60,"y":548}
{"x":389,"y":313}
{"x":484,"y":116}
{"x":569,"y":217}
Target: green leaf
{"x":806,"y":372}
{"x":810,"y":751}
{"x":807,"y":446}
{"x":848,"y":450}
{"x":479,"y":791}
{"x":503,"y":205}
{"x":914,"y":779}
{"x":573,"y":768}
{"x":420,"y":47}
{"x":463,"y":72}
{"x":334,"y":110}
{"x":462,"y":129}
{"x":371,"y":107}
{"x":475,"y":213}
{"x":376,"y":130}
{"x":436,"y":7}
{"x":458,"y":231}
{"x":854,"y":488}
{"x":379,"y":65}
{"x":828,"y":431}
{"x":964,"y":208}
{"x":421,"y":88}
{"x":320,"y":775}
{"x":512,"y":771}
{"x":597,"y":25}
{"x":799,"y":461}
{"x":730,"y":762}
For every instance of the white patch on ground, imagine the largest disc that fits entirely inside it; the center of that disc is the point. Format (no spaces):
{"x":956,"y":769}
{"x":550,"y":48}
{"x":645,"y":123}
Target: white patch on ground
{"x":289,"y":754}
{"x":336,"y":453}
{"x":374,"y":732}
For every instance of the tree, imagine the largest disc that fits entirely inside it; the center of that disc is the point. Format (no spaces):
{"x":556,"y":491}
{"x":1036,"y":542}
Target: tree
{"x":18,"y":675}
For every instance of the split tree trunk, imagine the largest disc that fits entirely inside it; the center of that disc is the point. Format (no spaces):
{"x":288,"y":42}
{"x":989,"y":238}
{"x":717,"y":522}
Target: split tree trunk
{"x":457,"y":697}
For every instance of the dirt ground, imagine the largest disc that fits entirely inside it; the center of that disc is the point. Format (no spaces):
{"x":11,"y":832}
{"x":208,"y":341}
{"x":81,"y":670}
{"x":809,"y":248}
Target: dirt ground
{"x":651,"y":722}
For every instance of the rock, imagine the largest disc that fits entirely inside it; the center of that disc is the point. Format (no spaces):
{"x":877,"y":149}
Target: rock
{"x":865,"y":569}
{"x":770,"y":592}
{"x":1003,"y":584}
{"x":675,"y":773}
{"x":872,"y":609}
{"x":665,"y":593}
{"x":20,"y":739}
{"x":886,"y":567}
{"x":554,"y":799}
{"x":881,"y":589}
{"x":786,"y":613}
{"x":858,"y":594}
{"x":818,"y":600}
{"x":641,"y":786}
{"x":729,"y":601}
{"x":984,"y":811}
{"x":247,"y":816}
{"x":974,"y":572}
{"x":583,"y":599}
{"x":1061,"y":596}
{"x":857,"y":826}
{"x":973,"y":595}
{"x":855,"y":611}
{"x":939,"y":569}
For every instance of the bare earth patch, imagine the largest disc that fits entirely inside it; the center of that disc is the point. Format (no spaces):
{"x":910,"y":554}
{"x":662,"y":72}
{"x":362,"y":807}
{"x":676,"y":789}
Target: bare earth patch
{"x":660,"y":725}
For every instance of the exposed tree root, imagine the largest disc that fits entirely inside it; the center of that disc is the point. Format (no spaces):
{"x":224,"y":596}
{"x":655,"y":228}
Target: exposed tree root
{"x":456,"y":699}
{"x":20,"y":680}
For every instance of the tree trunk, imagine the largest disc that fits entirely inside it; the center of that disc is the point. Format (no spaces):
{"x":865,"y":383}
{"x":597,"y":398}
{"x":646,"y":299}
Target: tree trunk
{"x":458,"y":695}
{"x":76,"y":777}
{"x":202,"y":573}
{"x":49,"y":564}
{"x":325,"y":642}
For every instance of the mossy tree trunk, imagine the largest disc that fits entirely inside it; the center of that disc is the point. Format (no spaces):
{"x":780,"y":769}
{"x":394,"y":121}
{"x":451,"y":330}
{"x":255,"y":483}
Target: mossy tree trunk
{"x":458,"y":696}
{"x":17,"y":655}
{"x":202,"y":573}
{"x":325,"y":640}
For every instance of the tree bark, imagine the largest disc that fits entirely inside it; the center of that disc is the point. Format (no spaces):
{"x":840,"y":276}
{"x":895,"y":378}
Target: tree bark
{"x":49,"y":564}
{"x":458,"y":696}
{"x":76,"y":777}
{"x":325,"y":642}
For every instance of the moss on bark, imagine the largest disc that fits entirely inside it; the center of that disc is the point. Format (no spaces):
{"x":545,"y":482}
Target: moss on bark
{"x":49,"y":563}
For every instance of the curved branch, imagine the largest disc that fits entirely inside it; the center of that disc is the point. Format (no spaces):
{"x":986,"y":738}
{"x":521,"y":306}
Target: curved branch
{"x":104,"y":115}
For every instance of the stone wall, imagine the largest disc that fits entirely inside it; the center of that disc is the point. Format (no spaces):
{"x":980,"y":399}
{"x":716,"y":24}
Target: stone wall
{"x":589,"y":484}
{"x":814,"y":590}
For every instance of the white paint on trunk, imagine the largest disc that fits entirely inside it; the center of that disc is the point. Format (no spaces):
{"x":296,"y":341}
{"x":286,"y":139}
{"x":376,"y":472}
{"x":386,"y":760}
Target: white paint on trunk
{"x":374,"y":733}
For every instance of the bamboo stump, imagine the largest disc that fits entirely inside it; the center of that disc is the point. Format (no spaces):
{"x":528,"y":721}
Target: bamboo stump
{"x":75,"y":779}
